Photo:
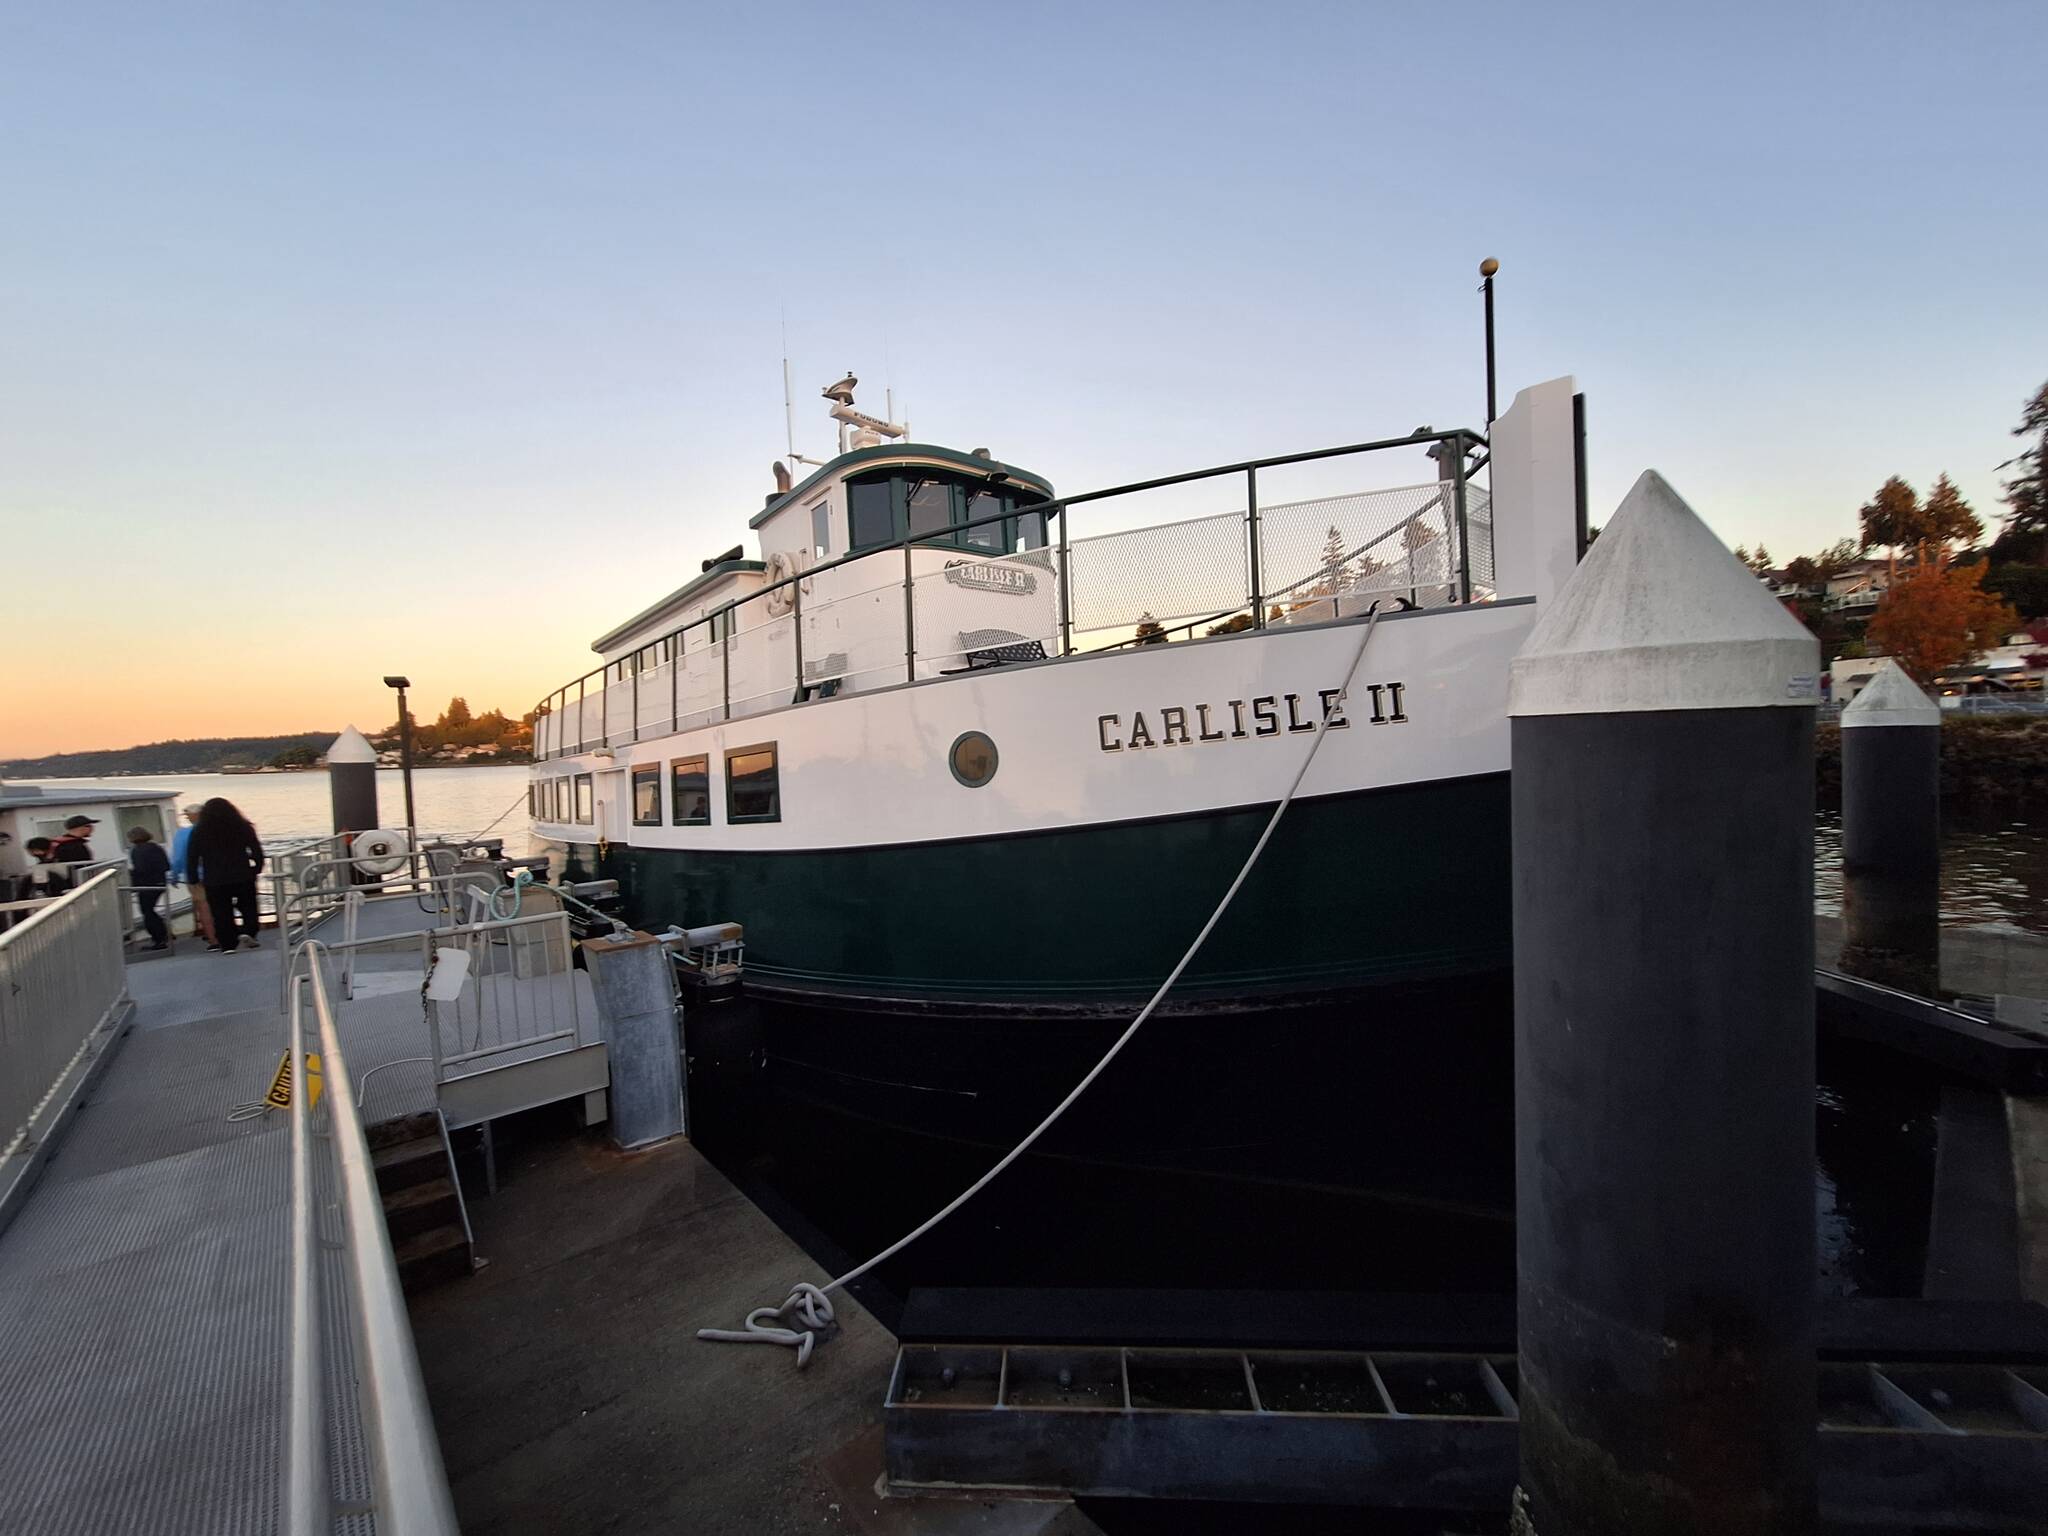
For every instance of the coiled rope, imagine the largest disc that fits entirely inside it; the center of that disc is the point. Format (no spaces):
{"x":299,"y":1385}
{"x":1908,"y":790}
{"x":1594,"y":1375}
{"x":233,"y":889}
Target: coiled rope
{"x":810,"y":1306}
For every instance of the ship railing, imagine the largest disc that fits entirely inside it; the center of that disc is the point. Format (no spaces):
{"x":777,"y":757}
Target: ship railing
{"x":61,"y":979}
{"x":1426,"y":545}
{"x":370,"y":1363}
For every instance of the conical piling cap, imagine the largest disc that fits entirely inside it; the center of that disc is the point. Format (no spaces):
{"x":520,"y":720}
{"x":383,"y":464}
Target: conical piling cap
{"x":351,"y":746}
{"x":1891,"y":698}
{"x":1659,"y":615}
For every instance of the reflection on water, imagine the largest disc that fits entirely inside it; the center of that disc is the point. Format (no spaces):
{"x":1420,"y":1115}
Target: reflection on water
{"x":1992,"y":871}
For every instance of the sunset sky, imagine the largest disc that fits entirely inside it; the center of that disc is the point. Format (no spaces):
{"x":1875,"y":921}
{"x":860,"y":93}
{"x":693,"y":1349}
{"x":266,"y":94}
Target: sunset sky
{"x":437,"y":339}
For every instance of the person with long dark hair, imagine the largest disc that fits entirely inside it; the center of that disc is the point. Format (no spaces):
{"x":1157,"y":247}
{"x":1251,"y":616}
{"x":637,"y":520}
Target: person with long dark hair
{"x":224,"y":856}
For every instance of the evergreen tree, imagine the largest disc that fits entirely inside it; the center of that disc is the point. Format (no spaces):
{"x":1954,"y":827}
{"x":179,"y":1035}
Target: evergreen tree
{"x":1891,"y":519}
{"x":1946,"y":519}
{"x":2025,"y":536}
{"x":1336,"y":566}
{"x":1150,"y":631}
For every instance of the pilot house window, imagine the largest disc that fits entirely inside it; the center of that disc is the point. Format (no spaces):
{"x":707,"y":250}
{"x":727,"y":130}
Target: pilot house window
{"x":931,"y":507}
{"x":870,"y":512}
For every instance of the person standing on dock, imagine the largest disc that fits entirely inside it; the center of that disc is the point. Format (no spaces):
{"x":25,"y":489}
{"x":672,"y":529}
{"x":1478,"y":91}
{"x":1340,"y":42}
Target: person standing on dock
{"x":202,"y":915}
{"x":224,"y":856}
{"x":150,"y":868}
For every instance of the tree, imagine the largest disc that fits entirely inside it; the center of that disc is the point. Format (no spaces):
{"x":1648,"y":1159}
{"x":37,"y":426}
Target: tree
{"x":1742,"y":553}
{"x":1836,"y":558}
{"x":2025,"y":536}
{"x":1336,"y":566}
{"x":1760,"y":561}
{"x":1935,"y":617}
{"x":1231,"y":625}
{"x":1801,"y":571}
{"x":1891,"y":519}
{"x":1945,"y":519}
{"x":456,"y":715}
{"x":1150,"y":631}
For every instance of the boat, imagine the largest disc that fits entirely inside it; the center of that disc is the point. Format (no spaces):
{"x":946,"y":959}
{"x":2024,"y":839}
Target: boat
{"x":972,"y":779}
{"x":37,"y":810}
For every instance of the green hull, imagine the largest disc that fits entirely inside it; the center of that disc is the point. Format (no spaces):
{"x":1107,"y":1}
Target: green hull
{"x":1354,"y":891}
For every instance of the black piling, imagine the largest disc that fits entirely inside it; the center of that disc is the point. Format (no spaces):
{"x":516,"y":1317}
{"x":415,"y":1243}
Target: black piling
{"x":1891,"y":835}
{"x":352,"y":782}
{"x":1664,"y":1075}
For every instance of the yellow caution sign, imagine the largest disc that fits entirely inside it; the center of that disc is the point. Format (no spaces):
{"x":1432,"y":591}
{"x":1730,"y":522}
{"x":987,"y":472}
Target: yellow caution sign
{"x":280,"y":1095}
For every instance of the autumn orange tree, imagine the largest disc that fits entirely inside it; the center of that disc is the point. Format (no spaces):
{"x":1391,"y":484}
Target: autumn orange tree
{"x":1936,"y":616}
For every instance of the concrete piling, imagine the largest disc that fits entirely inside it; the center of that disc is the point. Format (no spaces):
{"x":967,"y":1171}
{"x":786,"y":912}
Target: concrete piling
{"x":634,"y":984}
{"x":352,"y":782}
{"x":1662,"y":749}
{"x":1891,"y":834}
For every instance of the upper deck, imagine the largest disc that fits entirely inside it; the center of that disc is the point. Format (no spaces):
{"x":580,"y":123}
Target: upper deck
{"x":909,"y":562}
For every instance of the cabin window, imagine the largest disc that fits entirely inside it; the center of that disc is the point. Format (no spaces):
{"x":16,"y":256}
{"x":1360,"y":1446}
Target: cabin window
{"x":532,"y":801}
{"x":1031,"y":530}
{"x":870,"y":513}
{"x":647,"y":795}
{"x":930,"y":507}
{"x":561,"y":799}
{"x":992,"y":537}
{"x":690,"y":790}
{"x":821,"y":530}
{"x":720,"y":627}
{"x":753,"y":785}
{"x":583,"y":804}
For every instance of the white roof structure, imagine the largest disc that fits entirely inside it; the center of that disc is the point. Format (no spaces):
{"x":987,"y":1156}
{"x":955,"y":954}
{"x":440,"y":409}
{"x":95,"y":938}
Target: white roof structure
{"x":1661,"y":616}
{"x":1891,"y":698}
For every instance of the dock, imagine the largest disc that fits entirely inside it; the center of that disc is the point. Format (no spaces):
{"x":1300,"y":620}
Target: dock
{"x":147,"y":1292}
{"x":379,"y":1313}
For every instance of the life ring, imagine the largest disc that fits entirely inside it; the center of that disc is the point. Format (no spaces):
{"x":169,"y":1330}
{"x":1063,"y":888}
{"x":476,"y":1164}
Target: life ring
{"x":382,"y":852}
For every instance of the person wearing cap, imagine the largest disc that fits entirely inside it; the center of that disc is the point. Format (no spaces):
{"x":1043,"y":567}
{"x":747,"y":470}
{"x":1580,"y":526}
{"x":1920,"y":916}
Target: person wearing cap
{"x":75,"y":846}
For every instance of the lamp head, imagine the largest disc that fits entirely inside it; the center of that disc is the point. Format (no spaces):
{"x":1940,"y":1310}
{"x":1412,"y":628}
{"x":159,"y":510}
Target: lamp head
{"x":397,"y":682}
{"x":1488,"y":267}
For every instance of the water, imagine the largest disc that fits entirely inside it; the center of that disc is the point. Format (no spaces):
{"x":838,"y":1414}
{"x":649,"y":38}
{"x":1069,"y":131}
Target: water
{"x":459,"y":802}
{"x":1994,"y":872}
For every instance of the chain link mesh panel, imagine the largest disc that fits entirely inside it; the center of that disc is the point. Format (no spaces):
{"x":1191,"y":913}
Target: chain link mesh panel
{"x":1400,"y":541}
{"x":1172,"y":572}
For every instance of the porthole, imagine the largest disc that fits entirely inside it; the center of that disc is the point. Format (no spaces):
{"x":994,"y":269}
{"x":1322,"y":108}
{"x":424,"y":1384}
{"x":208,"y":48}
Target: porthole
{"x":973,"y":759}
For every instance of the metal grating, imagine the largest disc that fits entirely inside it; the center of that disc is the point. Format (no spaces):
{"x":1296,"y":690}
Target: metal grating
{"x":1958,"y":1442}
{"x":144,"y":1304}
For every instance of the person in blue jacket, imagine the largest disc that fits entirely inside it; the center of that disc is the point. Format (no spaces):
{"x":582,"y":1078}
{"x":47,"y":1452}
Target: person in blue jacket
{"x":202,"y":914}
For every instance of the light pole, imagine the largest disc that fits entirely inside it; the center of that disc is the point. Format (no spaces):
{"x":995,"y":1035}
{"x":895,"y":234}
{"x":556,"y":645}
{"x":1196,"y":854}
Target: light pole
{"x":1486,"y":270}
{"x":405,"y":753}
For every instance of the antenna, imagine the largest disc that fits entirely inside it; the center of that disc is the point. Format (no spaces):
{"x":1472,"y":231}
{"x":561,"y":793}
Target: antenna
{"x":788,"y":411}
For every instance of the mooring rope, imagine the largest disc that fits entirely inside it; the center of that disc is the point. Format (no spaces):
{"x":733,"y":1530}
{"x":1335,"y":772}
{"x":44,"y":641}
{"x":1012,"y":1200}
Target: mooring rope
{"x":811,"y":1305}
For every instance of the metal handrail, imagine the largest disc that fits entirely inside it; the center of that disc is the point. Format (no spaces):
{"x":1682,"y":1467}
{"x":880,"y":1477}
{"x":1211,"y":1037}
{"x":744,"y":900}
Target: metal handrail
{"x":410,"y":1481}
{"x":1048,"y":509}
{"x":61,"y":978}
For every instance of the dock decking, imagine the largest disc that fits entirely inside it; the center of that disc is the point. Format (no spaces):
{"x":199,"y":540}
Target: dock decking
{"x":145,"y":1314}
